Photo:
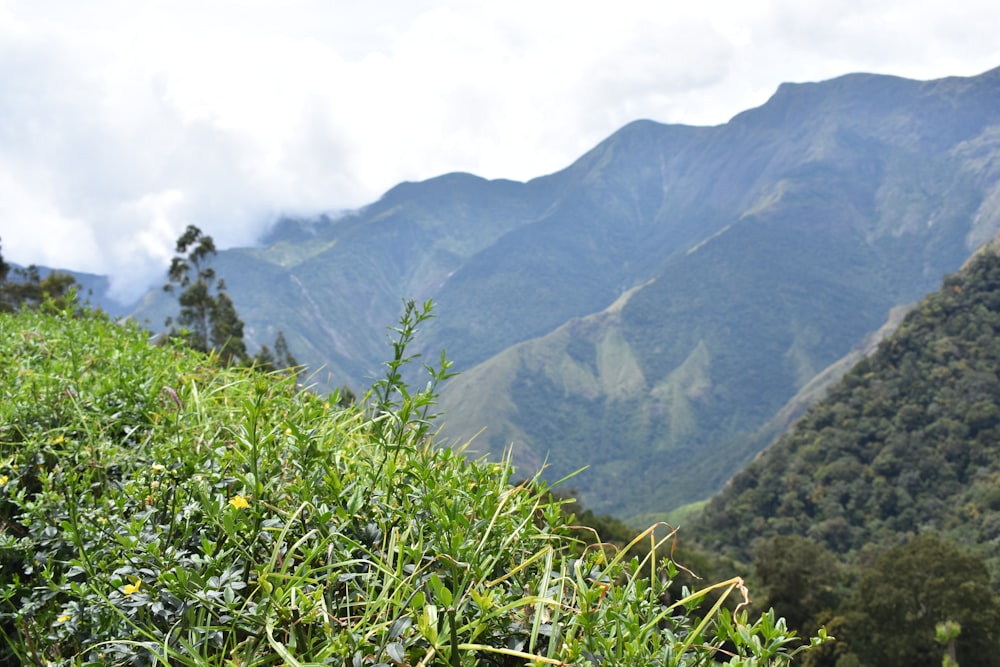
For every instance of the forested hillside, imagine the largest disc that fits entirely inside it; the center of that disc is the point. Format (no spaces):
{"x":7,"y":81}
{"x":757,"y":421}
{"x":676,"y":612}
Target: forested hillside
{"x":886,"y":495}
{"x":908,"y":441}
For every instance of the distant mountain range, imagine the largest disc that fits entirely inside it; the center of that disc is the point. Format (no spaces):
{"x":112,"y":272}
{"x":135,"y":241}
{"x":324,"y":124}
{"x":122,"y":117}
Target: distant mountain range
{"x":650,"y":310}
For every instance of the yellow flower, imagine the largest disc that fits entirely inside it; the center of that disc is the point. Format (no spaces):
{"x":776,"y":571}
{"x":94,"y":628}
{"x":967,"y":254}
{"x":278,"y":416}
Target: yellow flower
{"x":132,"y":588}
{"x":59,"y":440}
{"x":4,"y":479}
{"x":158,"y":467}
{"x":63,"y":618}
{"x":239,"y":502}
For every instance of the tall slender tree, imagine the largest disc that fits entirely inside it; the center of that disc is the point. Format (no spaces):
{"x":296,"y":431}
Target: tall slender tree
{"x":208,"y":317}
{"x":279,"y":359}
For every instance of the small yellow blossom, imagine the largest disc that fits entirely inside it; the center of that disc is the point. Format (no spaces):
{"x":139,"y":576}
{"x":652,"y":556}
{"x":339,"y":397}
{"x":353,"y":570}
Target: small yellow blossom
{"x":58,"y":440}
{"x":4,"y":479}
{"x":132,"y":588}
{"x":239,"y":502}
{"x":158,"y":467}
{"x":63,"y":618}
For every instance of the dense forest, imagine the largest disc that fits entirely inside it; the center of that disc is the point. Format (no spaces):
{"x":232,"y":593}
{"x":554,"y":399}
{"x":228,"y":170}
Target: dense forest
{"x":879,"y":514}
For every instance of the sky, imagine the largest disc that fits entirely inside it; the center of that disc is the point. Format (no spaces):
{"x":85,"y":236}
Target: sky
{"x":123,"y":121}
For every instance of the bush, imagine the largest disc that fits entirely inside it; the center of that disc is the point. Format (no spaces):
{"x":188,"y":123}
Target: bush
{"x":158,"y":509}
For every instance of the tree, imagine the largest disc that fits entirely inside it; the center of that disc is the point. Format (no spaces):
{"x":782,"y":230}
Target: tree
{"x":900,"y":601}
{"x":280,"y":359}
{"x":29,"y":289}
{"x":227,"y":329}
{"x":802,"y":580}
{"x":208,"y":315}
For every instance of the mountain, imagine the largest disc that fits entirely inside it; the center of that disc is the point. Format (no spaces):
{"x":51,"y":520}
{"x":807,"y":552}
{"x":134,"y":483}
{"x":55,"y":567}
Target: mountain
{"x":885,"y":494}
{"x":907,"y":442}
{"x":819,"y":213}
{"x":651,"y":307}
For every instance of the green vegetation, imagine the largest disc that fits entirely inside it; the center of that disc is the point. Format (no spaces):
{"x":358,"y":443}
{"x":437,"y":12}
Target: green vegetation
{"x":907,"y":442}
{"x":28,"y":288}
{"x":208,"y":317}
{"x":158,"y":507}
{"x":879,"y":515}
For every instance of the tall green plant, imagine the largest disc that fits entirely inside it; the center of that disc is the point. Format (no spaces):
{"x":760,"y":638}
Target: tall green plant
{"x":398,"y":413}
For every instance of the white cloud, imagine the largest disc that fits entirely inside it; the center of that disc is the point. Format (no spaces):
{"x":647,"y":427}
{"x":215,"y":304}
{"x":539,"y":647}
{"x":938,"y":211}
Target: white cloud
{"x":122,"y":122}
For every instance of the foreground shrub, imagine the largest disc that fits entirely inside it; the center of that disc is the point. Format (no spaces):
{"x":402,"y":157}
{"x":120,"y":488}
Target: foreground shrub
{"x":157,"y":509}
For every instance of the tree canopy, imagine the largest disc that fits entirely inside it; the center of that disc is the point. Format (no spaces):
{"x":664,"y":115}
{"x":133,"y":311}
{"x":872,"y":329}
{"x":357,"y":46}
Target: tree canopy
{"x":878,"y":516}
{"x":25,"y":287}
{"x":208,"y":316}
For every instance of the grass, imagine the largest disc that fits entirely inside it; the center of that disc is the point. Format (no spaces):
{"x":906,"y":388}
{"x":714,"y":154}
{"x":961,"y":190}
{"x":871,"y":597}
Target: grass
{"x":158,"y":509}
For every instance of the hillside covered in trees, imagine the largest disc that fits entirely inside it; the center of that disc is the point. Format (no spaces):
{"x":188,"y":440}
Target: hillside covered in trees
{"x":879,"y":514}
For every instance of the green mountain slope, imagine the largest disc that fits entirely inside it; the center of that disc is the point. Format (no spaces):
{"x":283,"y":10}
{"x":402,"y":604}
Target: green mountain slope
{"x":907,"y":442}
{"x":853,"y":206}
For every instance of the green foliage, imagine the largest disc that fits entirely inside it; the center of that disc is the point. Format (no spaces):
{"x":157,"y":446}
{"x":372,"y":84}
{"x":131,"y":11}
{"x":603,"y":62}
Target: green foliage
{"x":398,"y":413}
{"x":899,"y":603}
{"x":946,"y":633}
{"x":56,"y":291}
{"x":280,"y":359}
{"x":157,"y":508}
{"x":801,"y":579}
{"x":207,"y":316}
{"x":903,"y":451}
{"x":907,"y":442}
